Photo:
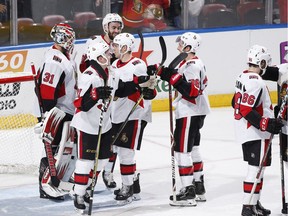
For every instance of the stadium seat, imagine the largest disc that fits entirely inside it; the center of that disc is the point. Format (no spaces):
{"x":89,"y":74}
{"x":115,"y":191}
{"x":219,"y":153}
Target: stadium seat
{"x":244,"y":7}
{"x":81,"y":19}
{"x":51,"y":20}
{"x":221,"y":18}
{"x":4,"y":35}
{"x":94,"y":27}
{"x":255,"y":16}
{"x":206,"y":10}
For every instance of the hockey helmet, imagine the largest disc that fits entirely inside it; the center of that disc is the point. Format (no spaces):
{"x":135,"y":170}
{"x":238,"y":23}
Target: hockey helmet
{"x":63,"y":35}
{"x":111,"y":17}
{"x":189,"y":39}
{"x":258,"y":55}
{"x":125,"y":39}
{"x":96,"y":49}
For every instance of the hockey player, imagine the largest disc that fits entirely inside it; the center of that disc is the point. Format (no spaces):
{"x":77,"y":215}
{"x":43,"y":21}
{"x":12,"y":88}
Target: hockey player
{"x":112,"y":26}
{"x":191,"y":107}
{"x":57,"y":87}
{"x":254,"y":124}
{"x":132,"y":80}
{"x":279,"y":74}
{"x":94,"y":92}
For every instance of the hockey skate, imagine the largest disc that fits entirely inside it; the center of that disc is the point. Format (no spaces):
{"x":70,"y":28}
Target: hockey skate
{"x":79,"y":204}
{"x":249,"y":210}
{"x":285,"y":209}
{"x":136,"y":189}
{"x":44,"y":195}
{"x":261,"y":210}
{"x":185,"y":197}
{"x":86,"y":197}
{"x":200,"y":190}
{"x":106,"y":176}
{"x":125,"y":195}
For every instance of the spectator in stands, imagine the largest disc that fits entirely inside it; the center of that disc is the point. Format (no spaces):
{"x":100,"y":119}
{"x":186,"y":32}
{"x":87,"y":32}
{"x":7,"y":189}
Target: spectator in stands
{"x":4,"y":10}
{"x":283,"y":4}
{"x":194,"y":9}
{"x":148,"y":15}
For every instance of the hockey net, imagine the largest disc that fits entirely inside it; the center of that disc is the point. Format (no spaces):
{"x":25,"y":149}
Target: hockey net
{"x":21,"y":148}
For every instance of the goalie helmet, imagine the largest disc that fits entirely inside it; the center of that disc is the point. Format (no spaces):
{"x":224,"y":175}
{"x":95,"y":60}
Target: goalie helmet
{"x":96,"y":49}
{"x":63,"y":35}
{"x":111,"y":17}
{"x":189,"y":39}
{"x":125,"y":39}
{"x":258,"y":55}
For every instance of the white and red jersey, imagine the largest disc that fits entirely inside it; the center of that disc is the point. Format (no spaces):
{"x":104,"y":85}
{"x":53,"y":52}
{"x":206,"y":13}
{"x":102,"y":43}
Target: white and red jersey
{"x":122,"y":106}
{"x":251,"y":92}
{"x":88,"y":121}
{"x":57,"y":81}
{"x":283,"y":82}
{"x":193,"y":71}
{"x":133,"y":11}
{"x":95,"y":38}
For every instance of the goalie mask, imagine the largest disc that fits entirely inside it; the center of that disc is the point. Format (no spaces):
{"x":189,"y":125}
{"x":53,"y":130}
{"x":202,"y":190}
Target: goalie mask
{"x":63,"y":35}
{"x":258,"y":55}
{"x":189,"y":39}
{"x":111,"y":17}
{"x":125,"y":39}
{"x":97,"y":49}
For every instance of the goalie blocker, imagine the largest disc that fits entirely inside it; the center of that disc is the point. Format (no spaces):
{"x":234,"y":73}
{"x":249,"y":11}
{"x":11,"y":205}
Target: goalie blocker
{"x":57,"y":167}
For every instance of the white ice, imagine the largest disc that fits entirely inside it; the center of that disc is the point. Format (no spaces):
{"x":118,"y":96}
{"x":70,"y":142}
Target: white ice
{"x":223,"y":166}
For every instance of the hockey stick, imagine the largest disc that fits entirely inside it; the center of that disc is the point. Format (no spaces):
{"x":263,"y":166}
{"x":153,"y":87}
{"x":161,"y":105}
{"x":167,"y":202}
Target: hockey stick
{"x":37,"y":92}
{"x":103,"y":109}
{"x":173,"y":64}
{"x":282,"y":109}
{"x":282,"y":91}
{"x":142,"y":43}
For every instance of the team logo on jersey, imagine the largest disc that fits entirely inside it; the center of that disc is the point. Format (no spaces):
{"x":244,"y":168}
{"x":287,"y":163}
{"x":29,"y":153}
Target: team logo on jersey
{"x":88,"y":72}
{"x":56,"y":58}
{"x":137,"y":6}
{"x":253,"y":77}
{"x":136,"y":62}
{"x":124,"y":138}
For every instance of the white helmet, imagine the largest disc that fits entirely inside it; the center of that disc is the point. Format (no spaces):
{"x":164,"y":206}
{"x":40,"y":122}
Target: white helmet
{"x":111,"y":17}
{"x":258,"y":55}
{"x":63,"y":35}
{"x":190,"y":39}
{"x":96,"y":49}
{"x":125,"y":39}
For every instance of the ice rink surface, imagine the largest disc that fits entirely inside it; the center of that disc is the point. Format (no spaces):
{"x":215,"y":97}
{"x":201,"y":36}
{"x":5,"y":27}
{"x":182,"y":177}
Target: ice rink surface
{"x":224,"y":172}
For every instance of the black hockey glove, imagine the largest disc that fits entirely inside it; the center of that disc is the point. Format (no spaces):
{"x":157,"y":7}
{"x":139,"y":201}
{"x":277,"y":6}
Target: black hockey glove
{"x":152,"y":69}
{"x":148,"y":93}
{"x":102,"y":92}
{"x":272,"y":125}
{"x":170,"y":75}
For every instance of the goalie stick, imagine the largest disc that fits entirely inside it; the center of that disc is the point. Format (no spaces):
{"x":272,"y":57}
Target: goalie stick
{"x":48,"y":136}
{"x":279,"y":116}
